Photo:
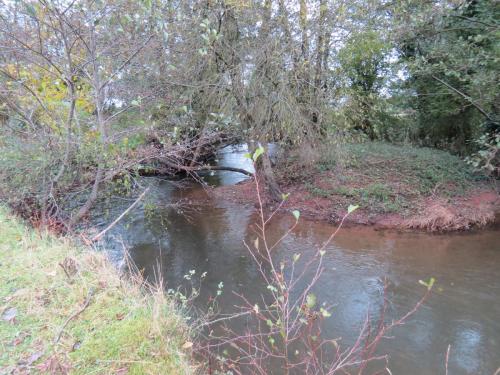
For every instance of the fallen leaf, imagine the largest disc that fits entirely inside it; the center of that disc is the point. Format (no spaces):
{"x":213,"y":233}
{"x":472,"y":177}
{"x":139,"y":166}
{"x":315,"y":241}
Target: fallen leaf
{"x":76,"y":346}
{"x":31,"y":359}
{"x":187,"y":345}
{"x":53,"y":365}
{"x":120,"y":316}
{"x":9,"y":314}
{"x":34,"y":357}
{"x":20,"y":338}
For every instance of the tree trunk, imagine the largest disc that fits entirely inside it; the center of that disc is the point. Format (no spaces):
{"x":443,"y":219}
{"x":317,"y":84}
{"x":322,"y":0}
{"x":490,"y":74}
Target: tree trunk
{"x":303,"y":28}
{"x":264,"y":172}
{"x":269,"y":177}
{"x":255,"y":128}
{"x":320,"y":56}
{"x":99,"y":101}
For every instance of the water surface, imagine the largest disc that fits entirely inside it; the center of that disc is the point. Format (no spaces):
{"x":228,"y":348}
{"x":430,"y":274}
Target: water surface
{"x":207,"y":236}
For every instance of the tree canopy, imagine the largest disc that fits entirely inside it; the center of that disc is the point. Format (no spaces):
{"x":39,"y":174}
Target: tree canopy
{"x":94,"y":91}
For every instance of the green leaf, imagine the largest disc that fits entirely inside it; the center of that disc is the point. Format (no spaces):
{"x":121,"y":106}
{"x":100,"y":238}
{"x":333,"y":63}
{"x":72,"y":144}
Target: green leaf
{"x":296,"y":257}
{"x":310,"y":300}
{"x":352,"y":208}
{"x":30,"y":9}
{"x":272,"y":288}
{"x":284,"y":196}
{"x":296,"y":214}
{"x":427,"y":284}
{"x":325,"y":313}
{"x":247,"y":155}
{"x":257,"y":153}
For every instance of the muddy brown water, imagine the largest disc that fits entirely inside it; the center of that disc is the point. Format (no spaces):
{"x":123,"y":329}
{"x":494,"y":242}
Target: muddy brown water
{"x":207,"y":236}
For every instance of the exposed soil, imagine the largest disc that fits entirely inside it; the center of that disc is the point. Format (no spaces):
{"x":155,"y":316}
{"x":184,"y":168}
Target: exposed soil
{"x":475,"y":208}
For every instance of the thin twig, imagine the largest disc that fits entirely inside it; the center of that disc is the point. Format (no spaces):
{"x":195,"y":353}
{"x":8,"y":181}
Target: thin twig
{"x":223,"y":319}
{"x":82,"y":309}
{"x":100,"y":234}
{"x":465,"y":96}
{"x":447,"y":359}
{"x":65,"y":271}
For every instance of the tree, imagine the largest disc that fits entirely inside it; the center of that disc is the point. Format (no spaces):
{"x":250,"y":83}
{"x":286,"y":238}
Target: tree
{"x":451,"y":53}
{"x":62,"y":69}
{"x":362,"y":63}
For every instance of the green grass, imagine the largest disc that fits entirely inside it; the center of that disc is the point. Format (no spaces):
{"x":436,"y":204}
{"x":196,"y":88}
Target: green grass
{"x":426,"y":169}
{"x":123,"y":329}
{"x":377,"y":196}
{"x":390,"y":178}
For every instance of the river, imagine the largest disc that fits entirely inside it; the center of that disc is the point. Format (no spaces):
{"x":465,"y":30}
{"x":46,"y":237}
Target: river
{"x":207,"y":235}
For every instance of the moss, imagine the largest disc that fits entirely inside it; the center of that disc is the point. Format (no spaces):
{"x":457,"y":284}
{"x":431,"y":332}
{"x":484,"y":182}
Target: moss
{"x":121,"y":329}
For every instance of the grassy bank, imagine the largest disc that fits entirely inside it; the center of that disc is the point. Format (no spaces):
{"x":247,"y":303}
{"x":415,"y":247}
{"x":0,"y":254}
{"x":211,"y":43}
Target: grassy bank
{"x":66,"y":310}
{"x":389,"y":178}
{"x":401,"y":186}
{"x":397,"y":186}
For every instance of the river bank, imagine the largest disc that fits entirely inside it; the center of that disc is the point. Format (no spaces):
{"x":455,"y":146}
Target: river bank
{"x":66,"y":309}
{"x":397,"y":187}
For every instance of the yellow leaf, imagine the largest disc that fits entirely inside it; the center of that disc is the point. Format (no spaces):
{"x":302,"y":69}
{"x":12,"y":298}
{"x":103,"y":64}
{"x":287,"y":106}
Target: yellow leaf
{"x":187,"y":345}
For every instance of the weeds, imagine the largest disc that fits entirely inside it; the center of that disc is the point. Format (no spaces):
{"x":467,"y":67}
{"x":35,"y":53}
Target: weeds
{"x":425,"y":169}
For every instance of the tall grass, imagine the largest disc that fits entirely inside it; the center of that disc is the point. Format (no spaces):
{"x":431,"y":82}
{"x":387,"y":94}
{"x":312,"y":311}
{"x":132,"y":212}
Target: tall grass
{"x":66,"y":309}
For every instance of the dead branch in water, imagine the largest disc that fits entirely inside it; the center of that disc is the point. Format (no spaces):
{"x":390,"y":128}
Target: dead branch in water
{"x":217,"y":168}
{"x":101,"y":233}
{"x":189,"y":156}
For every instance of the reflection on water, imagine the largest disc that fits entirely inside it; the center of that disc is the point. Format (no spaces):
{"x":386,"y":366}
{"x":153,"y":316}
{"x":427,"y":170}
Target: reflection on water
{"x":233,"y":156}
{"x":463,"y":312}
